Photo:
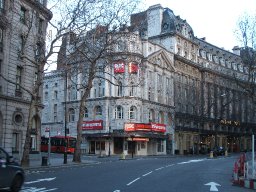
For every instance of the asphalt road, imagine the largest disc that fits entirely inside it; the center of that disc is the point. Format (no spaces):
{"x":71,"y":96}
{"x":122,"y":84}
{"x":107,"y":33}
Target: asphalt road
{"x":163,"y":174}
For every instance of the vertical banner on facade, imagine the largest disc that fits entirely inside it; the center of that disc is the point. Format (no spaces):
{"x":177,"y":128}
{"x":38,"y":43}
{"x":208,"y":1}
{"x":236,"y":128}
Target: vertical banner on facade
{"x":133,"y":67}
{"x":119,"y":67}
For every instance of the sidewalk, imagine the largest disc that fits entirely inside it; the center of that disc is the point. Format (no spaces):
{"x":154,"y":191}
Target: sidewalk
{"x":55,"y":160}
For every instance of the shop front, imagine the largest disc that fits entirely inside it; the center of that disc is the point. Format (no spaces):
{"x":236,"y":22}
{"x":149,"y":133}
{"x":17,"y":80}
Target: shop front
{"x":145,"y":139}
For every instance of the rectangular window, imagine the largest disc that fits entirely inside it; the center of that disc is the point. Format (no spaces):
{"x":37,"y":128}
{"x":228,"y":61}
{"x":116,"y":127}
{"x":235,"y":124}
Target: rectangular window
{"x":35,"y":78}
{"x":18,"y":77}
{"x":2,"y":2}
{"x":160,"y":146}
{"x":23,"y":15}
{"x":21,"y":46}
{"x":55,"y":112}
{"x":55,"y":95}
{"x":15,"y":142}
{"x":40,"y":26}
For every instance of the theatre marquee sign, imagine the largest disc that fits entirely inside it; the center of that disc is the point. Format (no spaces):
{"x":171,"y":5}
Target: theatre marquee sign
{"x":152,"y":127}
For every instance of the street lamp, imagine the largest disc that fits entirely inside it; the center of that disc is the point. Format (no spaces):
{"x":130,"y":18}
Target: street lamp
{"x":65,"y":118}
{"x":132,"y":136}
{"x":109,"y":129}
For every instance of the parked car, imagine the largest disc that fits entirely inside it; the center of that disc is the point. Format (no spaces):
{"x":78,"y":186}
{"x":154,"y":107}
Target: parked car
{"x":218,"y":151}
{"x":12,"y":175}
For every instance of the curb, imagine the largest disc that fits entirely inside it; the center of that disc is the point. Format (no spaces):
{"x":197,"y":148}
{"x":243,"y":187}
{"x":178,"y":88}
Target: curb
{"x":60,"y":165}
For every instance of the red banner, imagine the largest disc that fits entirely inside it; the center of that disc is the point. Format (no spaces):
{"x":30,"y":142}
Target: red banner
{"x":92,"y":125}
{"x":155,"y":127}
{"x":133,"y":68}
{"x":119,"y":67}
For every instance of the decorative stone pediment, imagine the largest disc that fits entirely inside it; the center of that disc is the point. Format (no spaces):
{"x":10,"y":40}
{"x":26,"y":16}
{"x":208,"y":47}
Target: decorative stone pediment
{"x":162,"y":59}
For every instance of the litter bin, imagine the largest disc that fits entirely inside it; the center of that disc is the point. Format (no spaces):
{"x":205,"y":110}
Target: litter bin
{"x":44,"y":161}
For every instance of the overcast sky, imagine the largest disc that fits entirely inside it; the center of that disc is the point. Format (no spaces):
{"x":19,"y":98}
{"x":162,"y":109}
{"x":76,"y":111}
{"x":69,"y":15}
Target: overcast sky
{"x":214,"y":19}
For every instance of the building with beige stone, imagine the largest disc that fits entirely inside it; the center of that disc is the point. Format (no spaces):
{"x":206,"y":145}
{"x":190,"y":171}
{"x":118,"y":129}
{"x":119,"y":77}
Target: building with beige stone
{"x":17,"y":17}
{"x":188,"y":100}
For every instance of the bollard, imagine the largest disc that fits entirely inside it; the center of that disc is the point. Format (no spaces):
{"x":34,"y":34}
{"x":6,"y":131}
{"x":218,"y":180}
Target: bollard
{"x":226,"y":153}
{"x":235,"y":174}
{"x":211,"y":154}
{"x":122,"y":156}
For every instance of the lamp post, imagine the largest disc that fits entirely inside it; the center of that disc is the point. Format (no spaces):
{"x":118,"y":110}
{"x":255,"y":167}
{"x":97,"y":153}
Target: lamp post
{"x":65,"y":118}
{"x":109,"y":129}
{"x":132,"y":136}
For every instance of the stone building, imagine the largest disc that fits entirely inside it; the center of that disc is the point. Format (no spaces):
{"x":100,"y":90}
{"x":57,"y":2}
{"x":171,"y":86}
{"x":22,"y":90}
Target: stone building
{"x":17,"y":73}
{"x":210,"y":108}
{"x":187,"y":90}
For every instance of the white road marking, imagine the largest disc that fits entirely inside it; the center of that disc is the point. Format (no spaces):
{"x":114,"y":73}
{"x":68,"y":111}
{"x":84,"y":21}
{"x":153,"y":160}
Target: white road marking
{"x":133,"y":181}
{"x":116,"y":191}
{"x":159,"y":168}
{"x":213,"y":186}
{"x":50,"y":190}
{"x":191,"y":161}
{"x":147,"y":173}
{"x":34,"y":189}
{"x":169,"y":165}
{"x":40,"y":180}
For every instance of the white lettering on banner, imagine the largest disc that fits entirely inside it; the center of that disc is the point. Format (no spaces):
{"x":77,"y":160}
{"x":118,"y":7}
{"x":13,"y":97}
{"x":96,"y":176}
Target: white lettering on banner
{"x":158,"y":127}
{"x":91,"y":125}
{"x":119,"y":66}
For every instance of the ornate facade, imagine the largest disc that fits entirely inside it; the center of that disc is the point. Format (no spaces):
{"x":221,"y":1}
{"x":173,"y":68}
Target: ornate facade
{"x":180,"y":84}
{"x":17,"y":73}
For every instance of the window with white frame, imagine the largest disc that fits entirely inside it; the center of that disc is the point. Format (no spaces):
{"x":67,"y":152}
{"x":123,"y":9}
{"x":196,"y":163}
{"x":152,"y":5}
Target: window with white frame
{"x":119,"y":114}
{"x":132,"y":112}
{"x":71,"y":115}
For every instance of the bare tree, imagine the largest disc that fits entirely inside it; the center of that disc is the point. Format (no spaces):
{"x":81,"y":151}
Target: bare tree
{"x":100,"y":27}
{"x":246,"y":34}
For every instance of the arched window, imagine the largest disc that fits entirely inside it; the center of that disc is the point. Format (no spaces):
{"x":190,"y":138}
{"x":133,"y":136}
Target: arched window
{"x":119,"y":112}
{"x":132,"y":112}
{"x":151,"y":115}
{"x":71,"y":115}
{"x":98,"y":110}
{"x":86,"y":113}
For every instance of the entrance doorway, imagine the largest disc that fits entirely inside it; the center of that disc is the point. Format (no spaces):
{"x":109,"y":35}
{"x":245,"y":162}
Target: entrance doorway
{"x":131,"y":147}
{"x":118,"y":145}
{"x":92,"y":147}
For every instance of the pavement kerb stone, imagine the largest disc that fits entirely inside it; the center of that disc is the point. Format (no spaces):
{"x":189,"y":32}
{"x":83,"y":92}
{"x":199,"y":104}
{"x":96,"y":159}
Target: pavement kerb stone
{"x":29,"y":168}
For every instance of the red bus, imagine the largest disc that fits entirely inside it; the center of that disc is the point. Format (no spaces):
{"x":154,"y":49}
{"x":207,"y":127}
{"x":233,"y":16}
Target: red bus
{"x":58,"y":144}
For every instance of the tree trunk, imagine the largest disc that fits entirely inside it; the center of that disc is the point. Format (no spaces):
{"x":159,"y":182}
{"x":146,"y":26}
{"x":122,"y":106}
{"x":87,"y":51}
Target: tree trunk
{"x":27,"y":144}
